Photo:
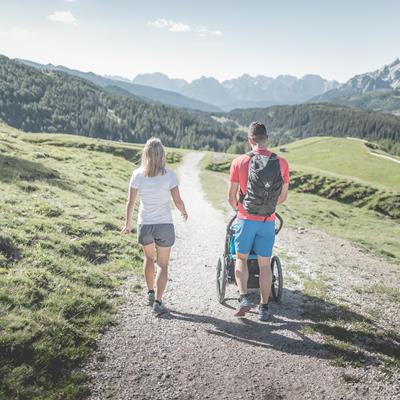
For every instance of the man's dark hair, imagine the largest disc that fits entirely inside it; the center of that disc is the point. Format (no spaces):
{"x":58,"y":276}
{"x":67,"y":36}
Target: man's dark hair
{"x":258,"y":132}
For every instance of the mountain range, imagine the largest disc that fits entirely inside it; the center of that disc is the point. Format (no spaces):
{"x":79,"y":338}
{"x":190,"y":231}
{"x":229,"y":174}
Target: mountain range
{"x":245,"y":91}
{"x":147,"y":93}
{"x":378,"y":90}
{"x":207,"y":93}
{"x":45,"y":100}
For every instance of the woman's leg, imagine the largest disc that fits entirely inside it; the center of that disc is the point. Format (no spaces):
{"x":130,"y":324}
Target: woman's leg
{"x":163,"y":254}
{"x":148,"y":264}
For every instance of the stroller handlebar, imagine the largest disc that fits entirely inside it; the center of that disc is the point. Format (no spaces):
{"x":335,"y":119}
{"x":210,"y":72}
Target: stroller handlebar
{"x":278,"y":226}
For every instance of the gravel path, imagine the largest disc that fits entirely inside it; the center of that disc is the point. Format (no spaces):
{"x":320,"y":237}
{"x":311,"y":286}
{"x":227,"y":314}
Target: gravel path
{"x":201,"y":351}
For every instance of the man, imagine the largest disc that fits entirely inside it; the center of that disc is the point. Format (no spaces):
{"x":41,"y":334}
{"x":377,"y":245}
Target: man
{"x":259,"y":181}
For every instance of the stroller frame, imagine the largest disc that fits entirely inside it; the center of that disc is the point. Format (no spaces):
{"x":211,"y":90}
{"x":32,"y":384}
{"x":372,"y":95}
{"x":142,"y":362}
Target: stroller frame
{"x":226,"y":266}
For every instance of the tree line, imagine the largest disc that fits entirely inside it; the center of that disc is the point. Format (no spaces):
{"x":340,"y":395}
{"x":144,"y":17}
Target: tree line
{"x":288,"y":123}
{"x":50,"y":101}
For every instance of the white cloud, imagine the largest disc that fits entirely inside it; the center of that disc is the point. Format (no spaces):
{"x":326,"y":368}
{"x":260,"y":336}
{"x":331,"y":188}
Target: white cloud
{"x":64,"y":17}
{"x":207,"y":32}
{"x":169,"y":25}
{"x":70,"y":1}
{"x":172,"y":26}
{"x":178,"y":27}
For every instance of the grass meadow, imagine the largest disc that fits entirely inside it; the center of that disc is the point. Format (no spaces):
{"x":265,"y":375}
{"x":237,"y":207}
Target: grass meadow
{"x":61,"y":256}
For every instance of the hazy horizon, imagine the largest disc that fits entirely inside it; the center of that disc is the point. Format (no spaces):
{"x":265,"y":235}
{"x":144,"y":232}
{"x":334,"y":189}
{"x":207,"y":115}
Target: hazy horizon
{"x":187,"y":41}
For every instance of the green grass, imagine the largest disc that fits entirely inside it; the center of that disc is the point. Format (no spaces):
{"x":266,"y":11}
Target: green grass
{"x":368,"y":229}
{"x":385,"y":292}
{"x":344,"y":189}
{"x":348,"y":158}
{"x":61,"y":256}
{"x":351,"y":337}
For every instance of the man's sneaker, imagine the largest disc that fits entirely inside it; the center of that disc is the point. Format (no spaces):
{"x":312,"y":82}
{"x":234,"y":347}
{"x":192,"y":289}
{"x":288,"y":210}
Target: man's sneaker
{"x":159,"y":309}
{"x":263,"y":313}
{"x":151,"y":297}
{"x":244,"y":307}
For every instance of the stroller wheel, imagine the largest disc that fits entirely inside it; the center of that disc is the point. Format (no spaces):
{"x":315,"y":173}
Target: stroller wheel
{"x":221,"y":280}
{"x":277,"y":279}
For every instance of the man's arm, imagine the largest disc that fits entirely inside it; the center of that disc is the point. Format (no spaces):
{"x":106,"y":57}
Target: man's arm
{"x":232,"y":194}
{"x":284,"y":192}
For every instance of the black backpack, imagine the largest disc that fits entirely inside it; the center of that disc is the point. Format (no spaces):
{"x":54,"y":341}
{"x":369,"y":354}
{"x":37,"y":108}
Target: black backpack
{"x":263,"y":186}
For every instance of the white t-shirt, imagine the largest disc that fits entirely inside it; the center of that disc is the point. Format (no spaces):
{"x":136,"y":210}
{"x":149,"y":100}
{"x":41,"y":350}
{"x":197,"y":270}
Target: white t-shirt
{"x":154,"y":193}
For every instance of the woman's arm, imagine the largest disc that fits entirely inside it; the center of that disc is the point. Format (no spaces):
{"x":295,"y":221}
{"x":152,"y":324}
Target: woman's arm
{"x":129,"y":210}
{"x":179,"y":204}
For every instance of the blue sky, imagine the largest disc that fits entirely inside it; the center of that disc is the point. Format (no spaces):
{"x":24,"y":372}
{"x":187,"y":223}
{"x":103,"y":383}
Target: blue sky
{"x":189,"y":39}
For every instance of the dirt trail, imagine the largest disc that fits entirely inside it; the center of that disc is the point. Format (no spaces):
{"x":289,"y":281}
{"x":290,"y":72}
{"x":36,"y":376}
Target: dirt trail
{"x":201,"y":351}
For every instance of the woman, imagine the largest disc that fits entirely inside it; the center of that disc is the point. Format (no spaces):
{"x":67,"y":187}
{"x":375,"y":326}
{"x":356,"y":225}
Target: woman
{"x":154,"y":183}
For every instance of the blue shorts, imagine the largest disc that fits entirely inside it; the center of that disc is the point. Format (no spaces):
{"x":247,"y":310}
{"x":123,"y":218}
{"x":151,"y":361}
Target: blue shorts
{"x":254,"y":235}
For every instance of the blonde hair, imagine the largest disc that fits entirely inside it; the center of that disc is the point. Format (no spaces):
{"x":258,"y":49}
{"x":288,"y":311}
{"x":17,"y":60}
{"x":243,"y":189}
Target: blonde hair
{"x":153,"y":158}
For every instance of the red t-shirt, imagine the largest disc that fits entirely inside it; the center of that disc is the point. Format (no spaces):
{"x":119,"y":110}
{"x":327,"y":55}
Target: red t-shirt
{"x":239,"y":173}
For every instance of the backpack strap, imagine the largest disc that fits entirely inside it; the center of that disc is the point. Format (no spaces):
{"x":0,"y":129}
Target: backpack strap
{"x":241,"y":194}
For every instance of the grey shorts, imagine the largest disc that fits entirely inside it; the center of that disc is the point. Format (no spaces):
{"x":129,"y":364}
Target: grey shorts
{"x":162,"y":235}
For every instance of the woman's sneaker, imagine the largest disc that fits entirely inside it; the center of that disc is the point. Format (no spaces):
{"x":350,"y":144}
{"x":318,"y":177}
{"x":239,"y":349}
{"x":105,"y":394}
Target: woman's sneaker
{"x":159,"y":309}
{"x":263,"y":312}
{"x":151,"y":297}
{"x":244,"y":306}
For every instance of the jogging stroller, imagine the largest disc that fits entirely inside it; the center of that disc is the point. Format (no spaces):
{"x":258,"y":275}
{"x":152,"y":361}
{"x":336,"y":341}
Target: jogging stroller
{"x":226,"y":265}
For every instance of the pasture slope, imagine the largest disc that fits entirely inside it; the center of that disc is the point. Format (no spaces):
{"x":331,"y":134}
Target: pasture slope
{"x":65,"y":270}
{"x":61,"y":256}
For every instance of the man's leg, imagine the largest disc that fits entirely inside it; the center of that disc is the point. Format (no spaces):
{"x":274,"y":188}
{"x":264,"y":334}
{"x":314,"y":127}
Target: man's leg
{"x":148,"y":264}
{"x":242,"y":276}
{"x":243,"y":243}
{"x":263,"y":244}
{"x":241,"y":272}
{"x":163,"y":254}
{"x":265,"y":279}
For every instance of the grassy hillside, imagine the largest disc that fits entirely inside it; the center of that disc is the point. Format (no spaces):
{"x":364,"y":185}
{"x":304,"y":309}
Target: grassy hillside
{"x":379,"y":100}
{"x":348,"y":158}
{"x":288,"y":123}
{"x":51,"y":101}
{"x":61,"y":256}
{"x":336,"y":192}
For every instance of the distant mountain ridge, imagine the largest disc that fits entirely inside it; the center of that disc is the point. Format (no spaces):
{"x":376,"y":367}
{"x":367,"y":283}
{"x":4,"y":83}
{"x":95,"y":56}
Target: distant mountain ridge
{"x":385,"y":78}
{"x":144,"y":92}
{"x":44,"y":100}
{"x":246,"y":90}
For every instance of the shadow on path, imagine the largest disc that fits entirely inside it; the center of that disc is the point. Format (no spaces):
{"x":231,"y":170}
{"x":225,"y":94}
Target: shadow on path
{"x":362,"y":344}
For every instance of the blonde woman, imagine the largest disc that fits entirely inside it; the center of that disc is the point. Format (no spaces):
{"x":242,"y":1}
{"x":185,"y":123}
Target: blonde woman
{"x":154,"y":184}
